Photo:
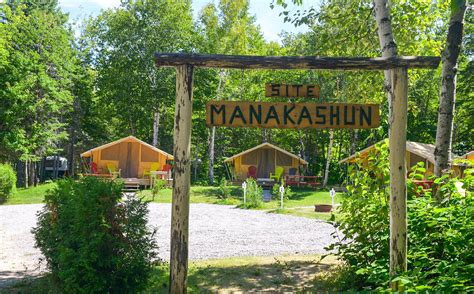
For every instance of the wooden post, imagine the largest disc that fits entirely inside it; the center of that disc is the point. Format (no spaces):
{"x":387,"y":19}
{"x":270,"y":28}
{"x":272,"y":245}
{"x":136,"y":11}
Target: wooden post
{"x":398,"y":193}
{"x":182,"y":179}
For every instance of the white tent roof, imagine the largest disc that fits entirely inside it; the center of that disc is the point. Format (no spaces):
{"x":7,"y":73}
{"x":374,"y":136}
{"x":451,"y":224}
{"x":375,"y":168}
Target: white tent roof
{"x":301,"y":160}
{"x":421,"y":149}
{"x":126,"y":139}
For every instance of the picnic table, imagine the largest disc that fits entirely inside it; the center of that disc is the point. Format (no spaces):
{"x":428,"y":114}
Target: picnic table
{"x":299,"y":180}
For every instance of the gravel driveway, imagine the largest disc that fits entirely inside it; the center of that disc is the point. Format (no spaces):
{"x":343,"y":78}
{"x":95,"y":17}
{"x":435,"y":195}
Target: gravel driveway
{"x":215,"y":231}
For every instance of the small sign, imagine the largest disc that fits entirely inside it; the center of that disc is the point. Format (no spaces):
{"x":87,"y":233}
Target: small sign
{"x":292,"y":115}
{"x":292,"y":91}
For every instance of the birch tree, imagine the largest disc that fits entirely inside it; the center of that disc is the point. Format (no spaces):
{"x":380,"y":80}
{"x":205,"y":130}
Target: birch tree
{"x":444,"y":132}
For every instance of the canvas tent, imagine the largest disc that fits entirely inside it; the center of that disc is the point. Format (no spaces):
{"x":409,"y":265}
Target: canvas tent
{"x":131,"y":155}
{"x":265,"y":157}
{"x":415,"y":152}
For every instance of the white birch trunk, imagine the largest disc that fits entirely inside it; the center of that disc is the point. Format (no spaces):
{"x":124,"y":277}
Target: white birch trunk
{"x":213,"y":135}
{"x":444,"y":132}
{"x":328,"y":161}
{"x":156,"y":125}
{"x":386,"y":40}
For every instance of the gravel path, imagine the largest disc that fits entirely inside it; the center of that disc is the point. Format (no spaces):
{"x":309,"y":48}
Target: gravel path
{"x":216,"y":231}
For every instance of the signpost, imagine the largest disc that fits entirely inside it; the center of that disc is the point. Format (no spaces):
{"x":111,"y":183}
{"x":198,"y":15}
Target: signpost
{"x":185,"y":64}
{"x":292,"y":115}
{"x":282,"y":194}
{"x":332,"y":193}
{"x":244,"y":187}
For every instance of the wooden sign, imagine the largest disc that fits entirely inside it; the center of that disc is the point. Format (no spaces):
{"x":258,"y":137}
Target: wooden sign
{"x":291,"y":91}
{"x":292,"y":115}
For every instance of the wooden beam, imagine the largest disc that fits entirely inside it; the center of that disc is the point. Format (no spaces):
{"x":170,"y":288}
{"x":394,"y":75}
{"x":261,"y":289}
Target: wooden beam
{"x":295,"y":62}
{"x":182,"y":179}
{"x":398,"y":192}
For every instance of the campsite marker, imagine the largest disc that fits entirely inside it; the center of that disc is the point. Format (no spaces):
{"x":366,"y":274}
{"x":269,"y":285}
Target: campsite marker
{"x":332,"y":193}
{"x":244,"y":186}
{"x":282,"y":192}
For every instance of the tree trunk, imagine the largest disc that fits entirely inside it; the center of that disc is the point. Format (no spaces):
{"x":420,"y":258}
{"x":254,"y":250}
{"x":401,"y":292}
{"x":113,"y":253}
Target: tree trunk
{"x":213,"y":134}
{"x":212,"y":137}
{"x":328,"y":161}
{"x":386,"y":40}
{"x":156,"y":124}
{"x":182,"y":179}
{"x":25,"y":178}
{"x":302,"y":152}
{"x":444,"y":132}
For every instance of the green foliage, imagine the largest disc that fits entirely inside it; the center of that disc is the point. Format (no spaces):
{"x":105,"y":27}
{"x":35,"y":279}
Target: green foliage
{"x":158,"y":186}
{"x":224,"y":190}
{"x":254,"y":194}
{"x":276,"y":191}
{"x":440,"y":235}
{"x":93,"y":242}
{"x":7,"y":182}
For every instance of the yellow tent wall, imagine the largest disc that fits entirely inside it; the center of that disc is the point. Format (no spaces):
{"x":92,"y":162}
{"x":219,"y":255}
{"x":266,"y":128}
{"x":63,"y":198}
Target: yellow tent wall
{"x":130,"y":155}
{"x":240,"y":168}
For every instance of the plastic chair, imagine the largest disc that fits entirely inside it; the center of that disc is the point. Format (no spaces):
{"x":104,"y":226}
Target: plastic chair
{"x":278,"y":173}
{"x":154,"y":167}
{"x":113,"y":170}
{"x":252,"y":172}
{"x":94,"y":169}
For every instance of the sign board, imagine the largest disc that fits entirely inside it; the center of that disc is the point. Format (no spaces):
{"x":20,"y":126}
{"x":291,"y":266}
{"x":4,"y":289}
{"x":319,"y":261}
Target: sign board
{"x":292,"y":91}
{"x":292,"y":115}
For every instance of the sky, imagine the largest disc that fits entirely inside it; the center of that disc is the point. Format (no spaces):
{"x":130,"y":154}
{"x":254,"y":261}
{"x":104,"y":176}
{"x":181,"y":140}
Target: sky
{"x":270,"y":22}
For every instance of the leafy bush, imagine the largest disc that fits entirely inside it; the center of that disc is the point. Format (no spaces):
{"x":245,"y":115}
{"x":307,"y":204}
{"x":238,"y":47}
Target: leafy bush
{"x":92,"y":242}
{"x":158,"y":186}
{"x":224,"y":190}
{"x":440,"y":235}
{"x":276,"y":191}
{"x":254,"y":194}
{"x":7,"y":182}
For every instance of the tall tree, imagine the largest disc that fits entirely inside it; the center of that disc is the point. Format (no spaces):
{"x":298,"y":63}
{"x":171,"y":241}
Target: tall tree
{"x":444,"y":132}
{"x":35,"y":85}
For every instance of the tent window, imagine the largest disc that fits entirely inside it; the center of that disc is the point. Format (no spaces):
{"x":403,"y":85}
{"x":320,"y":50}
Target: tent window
{"x":249,"y":158}
{"x":110,"y":153}
{"x":149,"y":155}
{"x":282,"y":159}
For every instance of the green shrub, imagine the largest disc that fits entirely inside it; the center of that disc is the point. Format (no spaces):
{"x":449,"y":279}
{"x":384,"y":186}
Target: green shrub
{"x":7,"y":182}
{"x":92,"y":242}
{"x":254,"y":194}
{"x":224,"y":190}
{"x":440,"y":235}
{"x":276,"y":191}
{"x":158,"y":186}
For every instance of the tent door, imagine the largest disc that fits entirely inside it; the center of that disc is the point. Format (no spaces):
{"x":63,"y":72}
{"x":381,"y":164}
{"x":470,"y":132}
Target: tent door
{"x":266,"y":162}
{"x":128,"y":159}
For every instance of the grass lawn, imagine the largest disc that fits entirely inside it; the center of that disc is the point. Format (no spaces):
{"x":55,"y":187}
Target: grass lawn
{"x":287,"y":273}
{"x":301,"y":203}
{"x":290,"y":273}
{"x":30,"y":195}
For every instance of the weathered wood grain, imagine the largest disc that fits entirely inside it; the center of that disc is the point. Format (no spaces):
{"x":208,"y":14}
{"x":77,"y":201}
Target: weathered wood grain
{"x":292,"y":115}
{"x":397,"y":151}
{"x":295,"y":62}
{"x":182,"y":179}
{"x":292,"y":91}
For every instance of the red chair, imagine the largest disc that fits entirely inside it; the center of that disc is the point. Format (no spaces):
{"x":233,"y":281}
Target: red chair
{"x":252,"y":172}
{"x":166,"y":167}
{"x":94,"y":168}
